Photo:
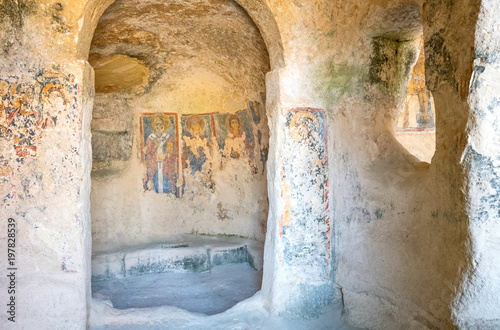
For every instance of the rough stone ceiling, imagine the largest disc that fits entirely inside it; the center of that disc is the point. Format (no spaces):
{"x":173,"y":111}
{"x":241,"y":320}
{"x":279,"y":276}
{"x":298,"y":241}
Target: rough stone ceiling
{"x":216,"y":34}
{"x":402,"y":22}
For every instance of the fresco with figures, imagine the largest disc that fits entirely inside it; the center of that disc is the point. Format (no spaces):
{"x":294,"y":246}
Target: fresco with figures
{"x":198,"y":148}
{"x":159,"y":152}
{"x":257,"y":111}
{"x":29,"y":109}
{"x":305,"y":228}
{"x":418,"y":109}
{"x":235,"y":139}
{"x":180,"y":155}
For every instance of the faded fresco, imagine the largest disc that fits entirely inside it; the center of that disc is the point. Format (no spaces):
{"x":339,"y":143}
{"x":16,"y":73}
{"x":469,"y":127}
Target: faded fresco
{"x":235,"y":139}
{"x":257,"y":112}
{"x":197,"y":152}
{"x":418,"y":109}
{"x":202,"y":144}
{"x":160,"y":150}
{"x":415,"y":126}
{"x":29,"y":108}
{"x":305,"y":226}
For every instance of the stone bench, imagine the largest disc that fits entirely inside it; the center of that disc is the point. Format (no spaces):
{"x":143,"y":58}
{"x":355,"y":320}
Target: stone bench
{"x":194,"y":254}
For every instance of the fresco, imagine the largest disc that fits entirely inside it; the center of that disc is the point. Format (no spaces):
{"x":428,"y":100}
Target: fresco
{"x":235,"y":138}
{"x":28,"y":108}
{"x":418,"y":109}
{"x":159,"y":152}
{"x":257,"y":112}
{"x":208,"y":143}
{"x":198,"y":143}
{"x":305,"y":224}
{"x":263,"y":150}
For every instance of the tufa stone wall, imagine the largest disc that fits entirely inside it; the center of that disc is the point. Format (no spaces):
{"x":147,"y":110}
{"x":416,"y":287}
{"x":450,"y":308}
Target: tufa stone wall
{"x":413,"y":245}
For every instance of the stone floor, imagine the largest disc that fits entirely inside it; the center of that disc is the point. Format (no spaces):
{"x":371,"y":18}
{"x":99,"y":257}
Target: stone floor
{"x":248,"y":314}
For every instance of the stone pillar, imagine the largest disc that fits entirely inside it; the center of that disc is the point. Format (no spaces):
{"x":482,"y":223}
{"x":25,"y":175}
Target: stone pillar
{"x":477,"y":305}
{"x":298,"y":278}
{"x":462,"y":58}
{"x":45,"y":187}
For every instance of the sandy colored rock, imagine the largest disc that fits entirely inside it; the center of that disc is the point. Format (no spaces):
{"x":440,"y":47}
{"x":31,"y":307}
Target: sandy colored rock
{"x":352,"y":220}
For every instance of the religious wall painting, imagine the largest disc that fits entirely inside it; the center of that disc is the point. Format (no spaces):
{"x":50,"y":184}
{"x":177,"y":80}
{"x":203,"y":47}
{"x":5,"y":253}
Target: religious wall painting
{"x":418,"y":109}
{"x":257,"y":112}
{"x":28,"y":108}
{"x":197,"y":143}
{"x":235,"y":138}
{"x":191,"y":149}
{"x":305,"y":226}
{"x":197,"y":139}
{"x":160,"y":152}
{"x":263,"y":150}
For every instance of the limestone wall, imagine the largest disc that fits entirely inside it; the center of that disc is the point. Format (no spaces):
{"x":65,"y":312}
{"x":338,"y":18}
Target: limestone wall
{"x":478,"y":303}
{"x":45,"y":107}
{"x":400,"y":235}
{"x":397,"y":242}
{"x":360,"y":88}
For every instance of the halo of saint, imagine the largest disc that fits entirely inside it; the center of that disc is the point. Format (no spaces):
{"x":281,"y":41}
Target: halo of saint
{"x":196,"y":120}
{"x":54,"y":90}
{"x":302,"y":124}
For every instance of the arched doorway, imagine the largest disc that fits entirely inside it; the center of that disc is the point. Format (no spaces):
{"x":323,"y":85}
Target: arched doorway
{"x":180,"y":139}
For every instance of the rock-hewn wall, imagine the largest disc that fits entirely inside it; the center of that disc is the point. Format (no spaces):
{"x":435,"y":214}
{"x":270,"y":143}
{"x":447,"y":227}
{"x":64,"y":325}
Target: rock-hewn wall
{"x":360,"y":87}
{"x":400,"y":231}
{"x":45,"y":106}
{"x":477,"y":304}
{"x":412,"y":245}
{"x":197,"y":70}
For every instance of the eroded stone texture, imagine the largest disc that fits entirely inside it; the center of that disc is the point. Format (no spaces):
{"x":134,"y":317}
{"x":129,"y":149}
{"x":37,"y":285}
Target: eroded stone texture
{"x":305,"y":226}
{"x":413,"y":245}
{"x":477,"y":304}
{"x":361,"y":85}
{"x":37,"y":109}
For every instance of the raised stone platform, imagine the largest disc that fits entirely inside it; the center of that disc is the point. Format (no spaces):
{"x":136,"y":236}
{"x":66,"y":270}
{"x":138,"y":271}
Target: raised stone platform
{"x":180,"y":254}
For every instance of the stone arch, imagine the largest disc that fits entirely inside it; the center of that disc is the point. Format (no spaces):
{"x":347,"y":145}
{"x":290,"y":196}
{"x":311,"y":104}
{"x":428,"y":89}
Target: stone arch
{"x":84,"y":49}
{"x":258,"y":10}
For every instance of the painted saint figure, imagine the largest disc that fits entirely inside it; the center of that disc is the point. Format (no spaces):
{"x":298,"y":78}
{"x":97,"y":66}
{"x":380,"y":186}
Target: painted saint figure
{"x":304,"y":126}
{"x":160,"y":155}
{"x":22,"y":117}
{"x":196,"y":150}
{"x":305,"y":225}
{"x":421,"y":115}
{"x":236,"y":143}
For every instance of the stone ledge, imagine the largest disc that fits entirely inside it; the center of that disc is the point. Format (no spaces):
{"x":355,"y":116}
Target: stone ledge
{"x":189,"y":254}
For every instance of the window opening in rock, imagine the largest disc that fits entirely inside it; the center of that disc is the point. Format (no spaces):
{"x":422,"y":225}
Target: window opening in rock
{"x":415,"y":128}
{"x":180,"y":140}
